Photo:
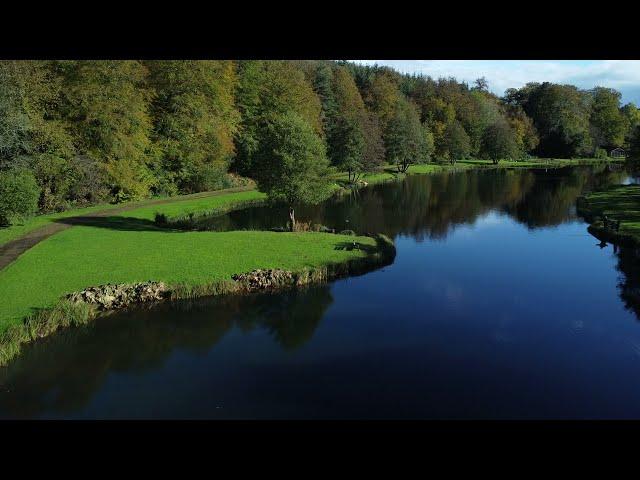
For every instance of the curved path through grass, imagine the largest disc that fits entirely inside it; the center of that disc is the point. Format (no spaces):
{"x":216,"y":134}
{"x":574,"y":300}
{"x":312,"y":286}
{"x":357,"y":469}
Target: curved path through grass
{"x":41,"y":228}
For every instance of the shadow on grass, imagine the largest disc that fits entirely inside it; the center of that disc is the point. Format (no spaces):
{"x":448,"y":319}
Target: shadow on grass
{"x":129,"y":224}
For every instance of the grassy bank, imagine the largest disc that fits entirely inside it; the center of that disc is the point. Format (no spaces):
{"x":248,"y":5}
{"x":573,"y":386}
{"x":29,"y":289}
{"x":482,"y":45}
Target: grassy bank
{"x":390,"y":172}
{"x":84,"y":256}
{"x":619,"y":203}
{"x":225,"y":200}
{"x":182,"y":204}
{"x":191,"y":263}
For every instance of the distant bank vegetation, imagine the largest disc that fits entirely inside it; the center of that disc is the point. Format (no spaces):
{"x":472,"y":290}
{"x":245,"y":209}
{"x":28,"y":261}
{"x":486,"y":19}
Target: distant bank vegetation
{"x":74,"y":132}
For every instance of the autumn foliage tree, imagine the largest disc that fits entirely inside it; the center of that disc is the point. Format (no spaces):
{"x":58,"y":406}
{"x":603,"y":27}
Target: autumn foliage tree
{"x":291,"y":163}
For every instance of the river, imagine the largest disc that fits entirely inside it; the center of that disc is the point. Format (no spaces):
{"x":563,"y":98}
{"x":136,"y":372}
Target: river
{"x":499,"y":305}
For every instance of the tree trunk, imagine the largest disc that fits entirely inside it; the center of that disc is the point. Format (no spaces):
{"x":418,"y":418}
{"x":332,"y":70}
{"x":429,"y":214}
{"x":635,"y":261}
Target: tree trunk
{"x":292,"y":219}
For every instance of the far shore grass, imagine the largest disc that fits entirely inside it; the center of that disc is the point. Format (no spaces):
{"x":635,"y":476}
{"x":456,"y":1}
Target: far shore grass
{"x":182,"y":204}
{"x":224,"y":200}
{"x":621,"y":202}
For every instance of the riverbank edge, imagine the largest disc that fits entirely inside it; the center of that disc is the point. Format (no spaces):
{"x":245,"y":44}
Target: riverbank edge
{"x":66,"y":314}
{"x":597,"y":229}
{"x":185,"y":221}
{"x":387,"y":174}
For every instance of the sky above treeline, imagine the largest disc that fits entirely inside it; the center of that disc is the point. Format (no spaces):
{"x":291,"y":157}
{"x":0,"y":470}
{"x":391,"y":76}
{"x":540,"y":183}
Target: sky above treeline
{"x":623,"y":75}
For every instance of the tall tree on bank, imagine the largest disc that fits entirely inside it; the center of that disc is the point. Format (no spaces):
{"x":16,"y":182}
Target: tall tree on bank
{"x":107,"y":105}
{"x":498,"y":142}
{"x":634,"y":144}
{"x":345,"y":131}
{"x":561,"y":115}
{"x":195,"y":120}
{"x":33,"y":134}
{"x":407,"y":141}
{"x":608,"y":124}
{"x":267,"y":90}
{"x":291,"y":164}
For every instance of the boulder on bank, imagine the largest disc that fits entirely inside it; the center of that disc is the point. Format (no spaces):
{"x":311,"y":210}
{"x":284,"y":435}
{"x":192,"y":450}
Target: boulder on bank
{"x":110,"y":297}
{"x":264,"y":279}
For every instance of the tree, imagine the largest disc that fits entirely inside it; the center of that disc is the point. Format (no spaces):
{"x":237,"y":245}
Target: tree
{"x":347,"y":146}
{"x":498,"y":142}
{"x":456,"y":143}
{"x":406,"y":139}
{"x":482,"y":84}
{"x":33,"y":133}
{"x":526,"y":137}
{"x":30,"y":117}
{"x":608,"y":123}
{"x":373,"y":153}
{"x":561,"y":116}
{"x":632,"y":115}
{"x":383,"y":97}
{"x":291,"y":163}
{"x":107,"y":105}
{"x":195,"y":119}
{"x":266,"y":90}
{"x":634,"y":144}
{"x":19,"y":195}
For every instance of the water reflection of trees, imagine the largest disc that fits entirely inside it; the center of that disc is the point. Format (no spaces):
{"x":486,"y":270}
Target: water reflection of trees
{"x":61,"y":373}
{"x":629,"y":280}
{"x":429,"y":206}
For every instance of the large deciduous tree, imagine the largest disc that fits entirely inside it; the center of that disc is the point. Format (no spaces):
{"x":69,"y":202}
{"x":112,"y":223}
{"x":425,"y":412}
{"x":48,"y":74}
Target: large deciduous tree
{"x":407,"y":140}
{"x":267,"y":90}
{"x":499,"y":142}
{"x":634,"y":144}
{"x":33,"y":133}
{"x":195,"y":119}
{"x":608,"y":123}
{"x":107,"y":104}
{"x":455,"y":143}
{"x":561,"y":115}
{"x":291,"y":163}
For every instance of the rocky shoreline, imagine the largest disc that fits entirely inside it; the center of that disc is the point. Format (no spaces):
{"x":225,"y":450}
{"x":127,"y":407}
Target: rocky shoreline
{"x":111,"y":297}
{"x":78,"y":308}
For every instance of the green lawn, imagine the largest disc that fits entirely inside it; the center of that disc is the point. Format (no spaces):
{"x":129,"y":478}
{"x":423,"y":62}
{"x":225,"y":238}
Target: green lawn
{"x":622,"y":203}
{"x":206,"y":204}
{"x":84,"y":256}
{"x":18,"y":230}
{"x":178,"y":205}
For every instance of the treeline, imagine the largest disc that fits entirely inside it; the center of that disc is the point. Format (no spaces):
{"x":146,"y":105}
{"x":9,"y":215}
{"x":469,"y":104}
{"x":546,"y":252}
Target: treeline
{"x":81,"y":132}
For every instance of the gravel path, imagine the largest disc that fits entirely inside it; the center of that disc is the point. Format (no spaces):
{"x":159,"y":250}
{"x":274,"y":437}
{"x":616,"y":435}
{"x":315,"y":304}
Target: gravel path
{"x":13,"y":249}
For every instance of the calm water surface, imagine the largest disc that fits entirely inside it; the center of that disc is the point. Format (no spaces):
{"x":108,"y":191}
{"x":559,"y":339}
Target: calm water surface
{"x":499,"y":305}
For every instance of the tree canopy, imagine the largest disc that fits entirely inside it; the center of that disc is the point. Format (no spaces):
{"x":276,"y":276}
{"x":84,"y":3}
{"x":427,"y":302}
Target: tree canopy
{"x":90,"y":131}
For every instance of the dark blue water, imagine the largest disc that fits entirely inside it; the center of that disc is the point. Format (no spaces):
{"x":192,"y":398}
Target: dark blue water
{"x":499,"y":304}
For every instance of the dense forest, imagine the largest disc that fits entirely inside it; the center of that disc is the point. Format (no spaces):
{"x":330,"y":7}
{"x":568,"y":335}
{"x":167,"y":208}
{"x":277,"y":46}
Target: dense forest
{"x":74,"y":133}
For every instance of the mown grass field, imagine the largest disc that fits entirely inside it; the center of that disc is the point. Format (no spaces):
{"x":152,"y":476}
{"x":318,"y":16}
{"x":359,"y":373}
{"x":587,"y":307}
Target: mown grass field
{"x":185,"y":207}
{"x":84,"y":256}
